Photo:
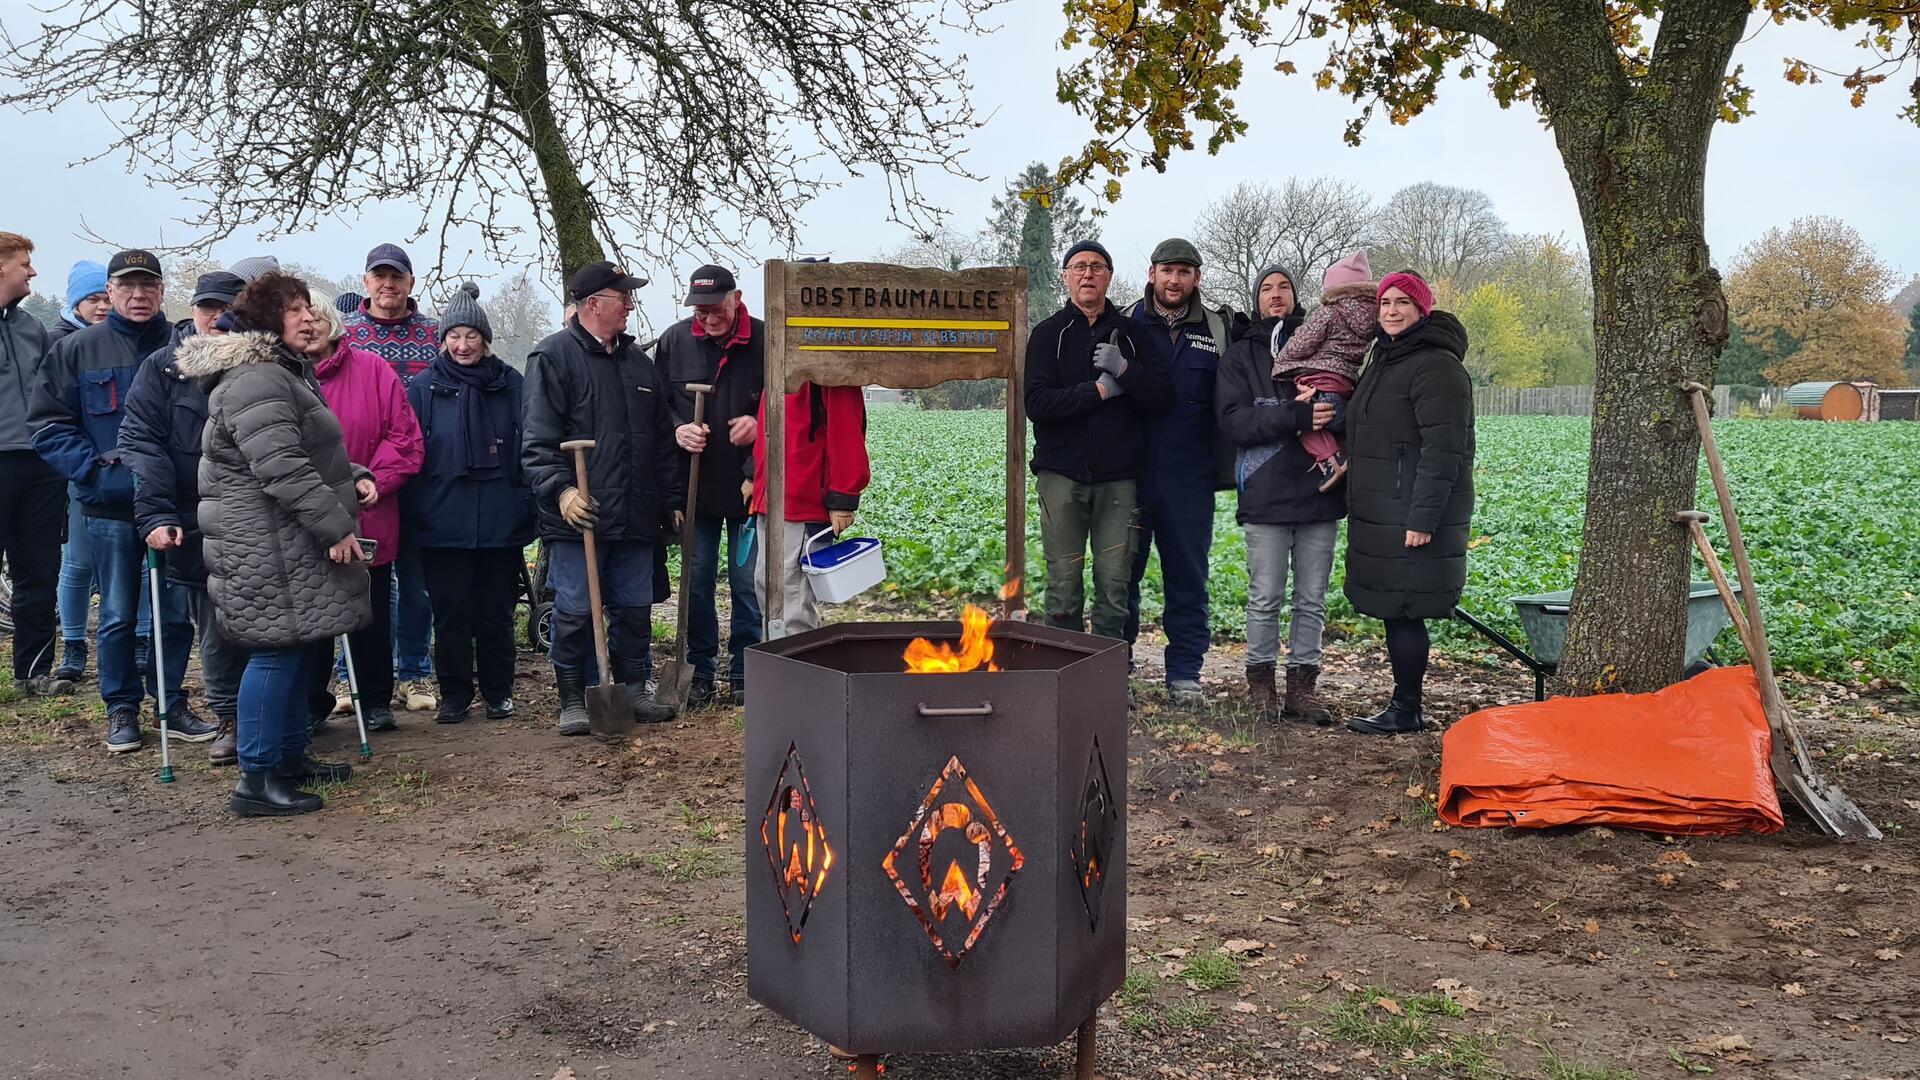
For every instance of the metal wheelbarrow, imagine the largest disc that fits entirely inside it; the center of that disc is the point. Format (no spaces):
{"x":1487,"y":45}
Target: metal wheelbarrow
{"x":1544,"y":618}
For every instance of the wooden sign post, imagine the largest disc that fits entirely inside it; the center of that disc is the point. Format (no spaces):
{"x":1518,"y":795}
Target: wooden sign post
{"x":861,"y":324}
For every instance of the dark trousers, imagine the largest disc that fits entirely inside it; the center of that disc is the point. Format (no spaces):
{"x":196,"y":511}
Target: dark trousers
{"x":473,"y":591}
{"x":1178,"y":521}
{"x":33,"y":515}
{"x":272,"y":724}
{"x":222,"y":661}
{"x":1407,"y":648}
{"x":626,"y":590}
{"x":372,"y":653}
{"x":703,"y":585}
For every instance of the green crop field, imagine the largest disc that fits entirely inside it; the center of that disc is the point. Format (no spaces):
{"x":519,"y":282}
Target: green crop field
{"x":1831,"y":512}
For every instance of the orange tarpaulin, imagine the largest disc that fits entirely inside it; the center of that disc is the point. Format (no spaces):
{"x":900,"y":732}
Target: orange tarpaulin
{"x":1689,"y":759}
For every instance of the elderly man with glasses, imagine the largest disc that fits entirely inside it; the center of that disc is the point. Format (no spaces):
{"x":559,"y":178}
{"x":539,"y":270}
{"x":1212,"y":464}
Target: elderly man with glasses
{"x":1094,"y":376}
{"x":591,"y":381}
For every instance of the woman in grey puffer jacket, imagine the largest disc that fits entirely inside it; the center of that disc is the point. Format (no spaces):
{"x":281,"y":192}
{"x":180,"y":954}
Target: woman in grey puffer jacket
{"x":279,"y":505}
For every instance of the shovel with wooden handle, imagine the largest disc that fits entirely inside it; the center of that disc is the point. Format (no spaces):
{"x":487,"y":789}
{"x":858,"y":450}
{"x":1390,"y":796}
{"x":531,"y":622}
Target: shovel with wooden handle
{"x":609,"y":709}
{"x":676,"y":674}
{"x":1822,"y":799}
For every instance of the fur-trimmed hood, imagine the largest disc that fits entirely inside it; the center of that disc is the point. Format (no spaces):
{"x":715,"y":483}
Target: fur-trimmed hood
{"x":206,"y":356}
{"x":1355,"y":290}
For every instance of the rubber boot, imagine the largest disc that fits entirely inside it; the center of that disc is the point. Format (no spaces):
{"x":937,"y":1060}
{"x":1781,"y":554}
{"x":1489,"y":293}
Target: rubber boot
{"x":1260,"y":689}
{"x":646,"y":710}
{"x":1400,"y":717}
{"x":572,"y":685}
{"x":225,"y":748}
{"x":73,"y":661}
{"x":265,"y":793}
{"x":1303,"y":696}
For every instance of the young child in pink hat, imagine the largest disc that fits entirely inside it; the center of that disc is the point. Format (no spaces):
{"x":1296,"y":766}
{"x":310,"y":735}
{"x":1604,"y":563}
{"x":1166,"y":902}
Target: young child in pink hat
{"x":1323,"y":356}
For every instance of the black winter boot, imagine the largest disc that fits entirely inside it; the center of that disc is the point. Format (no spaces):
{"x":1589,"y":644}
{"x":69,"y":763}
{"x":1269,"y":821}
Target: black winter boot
{"x":268,"y":794}
{"x":73,"y":660}
{"x":573,"y":701}
{"x":1400,"y":717}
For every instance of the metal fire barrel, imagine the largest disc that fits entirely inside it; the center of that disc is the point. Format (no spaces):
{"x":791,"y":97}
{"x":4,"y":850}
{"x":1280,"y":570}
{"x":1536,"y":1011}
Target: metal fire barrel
{"x":936,"y":862}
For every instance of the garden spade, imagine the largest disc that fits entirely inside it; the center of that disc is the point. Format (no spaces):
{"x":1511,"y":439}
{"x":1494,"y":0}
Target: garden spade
{"x":1793,"y":769}
{"x":676,"y":675}
{"x":609,"y":709}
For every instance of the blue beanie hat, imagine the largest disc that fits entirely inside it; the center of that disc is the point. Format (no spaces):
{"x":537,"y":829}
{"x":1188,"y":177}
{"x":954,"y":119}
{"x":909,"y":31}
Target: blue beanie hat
{"x":85,"y":279}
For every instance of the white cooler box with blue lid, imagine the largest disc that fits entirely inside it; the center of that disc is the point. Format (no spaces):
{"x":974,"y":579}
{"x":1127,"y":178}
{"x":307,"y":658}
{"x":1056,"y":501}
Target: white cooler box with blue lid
{"x":845,"y":569}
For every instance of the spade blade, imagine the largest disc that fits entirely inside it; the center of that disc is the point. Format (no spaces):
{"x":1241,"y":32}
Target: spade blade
{"x":609,"y":711}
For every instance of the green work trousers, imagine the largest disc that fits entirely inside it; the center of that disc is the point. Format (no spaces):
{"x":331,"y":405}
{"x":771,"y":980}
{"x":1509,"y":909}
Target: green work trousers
{"x":1072,"y":515}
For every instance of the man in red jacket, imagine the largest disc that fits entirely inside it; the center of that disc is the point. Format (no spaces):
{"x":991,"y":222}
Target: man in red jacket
{"x":826,"y":437}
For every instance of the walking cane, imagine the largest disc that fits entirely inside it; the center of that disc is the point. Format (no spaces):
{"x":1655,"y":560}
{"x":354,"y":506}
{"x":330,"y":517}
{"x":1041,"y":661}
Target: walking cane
{"x":159,"y":664}
{"x":353,"y":690}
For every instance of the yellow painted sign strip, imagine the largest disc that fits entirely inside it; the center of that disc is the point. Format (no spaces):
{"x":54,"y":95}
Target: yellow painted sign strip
{"x":904,"y":324}
{"x":898,"y":348}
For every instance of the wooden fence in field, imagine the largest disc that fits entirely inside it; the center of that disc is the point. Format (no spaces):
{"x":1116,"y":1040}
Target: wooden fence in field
{"x":1578,"y":400}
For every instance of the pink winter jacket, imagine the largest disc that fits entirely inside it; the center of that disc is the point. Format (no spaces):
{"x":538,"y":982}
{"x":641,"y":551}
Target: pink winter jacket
{"x":382,"y":432}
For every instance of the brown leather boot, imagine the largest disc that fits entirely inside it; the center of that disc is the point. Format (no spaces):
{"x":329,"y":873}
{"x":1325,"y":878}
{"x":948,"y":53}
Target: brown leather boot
{"x":1260,"y":687}
{"x":1303,"y":699}
{"x":224,"y":750}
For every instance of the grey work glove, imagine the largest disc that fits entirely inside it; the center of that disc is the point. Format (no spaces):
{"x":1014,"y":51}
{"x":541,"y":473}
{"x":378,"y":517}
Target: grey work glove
{"x":1110,"y":387}
{"x":1107,"y":356}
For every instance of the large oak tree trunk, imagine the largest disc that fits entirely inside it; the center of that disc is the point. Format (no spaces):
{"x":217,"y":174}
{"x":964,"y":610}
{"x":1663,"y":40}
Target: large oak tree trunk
{"x":567,"y":202}
{"x":1637,"y":155}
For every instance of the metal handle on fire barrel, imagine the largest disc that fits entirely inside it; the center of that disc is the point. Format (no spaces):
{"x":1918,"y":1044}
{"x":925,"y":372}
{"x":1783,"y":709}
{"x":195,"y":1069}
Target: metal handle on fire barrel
{"x":985,"y":708}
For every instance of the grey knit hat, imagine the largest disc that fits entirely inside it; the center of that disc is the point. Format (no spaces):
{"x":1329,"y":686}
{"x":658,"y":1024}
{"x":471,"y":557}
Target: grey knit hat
{"x":1268,"y":271}
{"x":464,"y":309}
{"x":253,"y":266}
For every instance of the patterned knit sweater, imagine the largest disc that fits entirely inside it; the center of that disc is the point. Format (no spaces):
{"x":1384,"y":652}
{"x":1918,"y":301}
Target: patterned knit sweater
{"x":408,"y":344}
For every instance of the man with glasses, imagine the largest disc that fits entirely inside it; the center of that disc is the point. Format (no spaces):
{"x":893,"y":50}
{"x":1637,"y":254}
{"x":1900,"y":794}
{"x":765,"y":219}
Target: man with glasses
{"x":76,"y":414}
{"x":724,"y":346}
{"x":1094,"y":376}
{"x":591,"y":381}
{"x":160,"y":442}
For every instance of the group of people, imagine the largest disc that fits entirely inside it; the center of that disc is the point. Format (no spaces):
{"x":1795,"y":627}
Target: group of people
{"x":333,"y":482}
{"x":315,"y":487}
{"x":1360,"y":410}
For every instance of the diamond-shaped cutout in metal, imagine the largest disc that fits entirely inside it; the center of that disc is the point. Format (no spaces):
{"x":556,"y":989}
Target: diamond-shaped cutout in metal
{"x":1093,"y":842}
{"x":970,"y":897}
{"x":795,"y":843}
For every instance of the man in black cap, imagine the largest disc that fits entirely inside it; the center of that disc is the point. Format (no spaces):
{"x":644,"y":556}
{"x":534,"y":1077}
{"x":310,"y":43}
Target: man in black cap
{"x":160,"y":442}
{"x":389,"y":324}
{"x":77,"y":410}
{"x":1094,"y":378}
{"x":1186,"y":461}
{"x":591,"y":381}
{"x":725,"y":347}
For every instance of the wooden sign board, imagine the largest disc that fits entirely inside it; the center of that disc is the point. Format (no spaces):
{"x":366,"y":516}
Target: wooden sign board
{"x":905,"y":327}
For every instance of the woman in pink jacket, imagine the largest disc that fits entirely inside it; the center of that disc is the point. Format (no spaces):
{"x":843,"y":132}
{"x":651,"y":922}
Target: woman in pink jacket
{"x":382,"y":432}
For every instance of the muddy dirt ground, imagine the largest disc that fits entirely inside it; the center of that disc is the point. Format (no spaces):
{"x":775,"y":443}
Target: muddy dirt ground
{"x":489,"y":900}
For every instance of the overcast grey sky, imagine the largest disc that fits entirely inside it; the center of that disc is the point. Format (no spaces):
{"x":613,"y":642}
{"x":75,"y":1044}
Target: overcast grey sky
{"x":1806,"y":152}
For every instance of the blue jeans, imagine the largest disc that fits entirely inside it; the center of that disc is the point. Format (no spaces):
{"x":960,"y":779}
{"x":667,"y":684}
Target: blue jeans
{"x":272,"y":723}
{"x":626,"y":588}
{"x":76,"y":574}
{"x":412,"y":617}
{"x":119,"y":564}
{"x":703,"y":616}
{"x":1177,"y":520}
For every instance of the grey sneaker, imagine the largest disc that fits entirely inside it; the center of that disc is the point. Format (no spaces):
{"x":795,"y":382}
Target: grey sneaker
{"x":380,"y":718}
{"x":1186,"y":692}
{"x":47,"y":686}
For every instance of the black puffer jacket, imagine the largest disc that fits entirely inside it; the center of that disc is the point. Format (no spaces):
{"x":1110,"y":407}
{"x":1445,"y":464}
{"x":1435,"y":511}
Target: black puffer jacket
{"x":1076,"y":433}
{"x":1410,"y":444}
{"x":276,"y":491}
{"x":1258,"y":413}
{"x":160,"y":442}
{"x":736,"y":369}
{"x":576,"y":389}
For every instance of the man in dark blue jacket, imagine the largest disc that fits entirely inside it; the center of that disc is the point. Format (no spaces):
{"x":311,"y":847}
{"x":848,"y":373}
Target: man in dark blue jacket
{"x":1094,"y":377}
{"x":160,"y":442}
{"x":1177,"y":483}
{"x":75,"y":414}
{"x":33,"y":498}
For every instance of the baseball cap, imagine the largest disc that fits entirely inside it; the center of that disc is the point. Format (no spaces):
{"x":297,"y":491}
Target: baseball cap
{"x":390,"y":255}
{"x":597,"y":276}
{"x":133,"y":261}
{"x":709,"y":285}
{"x":218,"y":285}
